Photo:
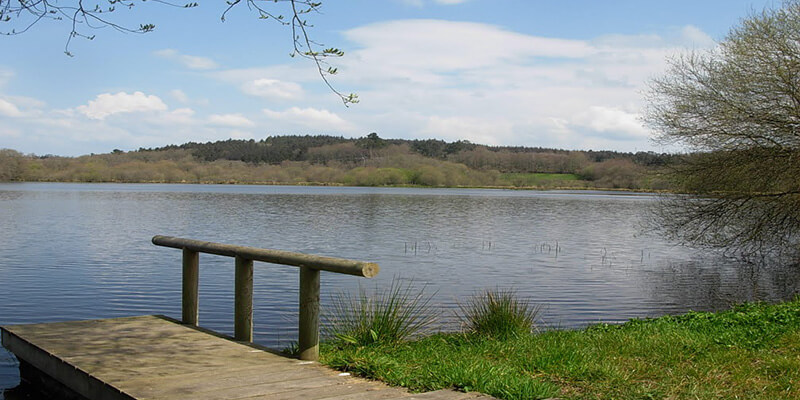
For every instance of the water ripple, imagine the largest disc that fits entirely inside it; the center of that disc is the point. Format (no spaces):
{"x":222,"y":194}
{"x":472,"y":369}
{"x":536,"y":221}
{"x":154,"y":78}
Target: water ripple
{"x":75,"y":251}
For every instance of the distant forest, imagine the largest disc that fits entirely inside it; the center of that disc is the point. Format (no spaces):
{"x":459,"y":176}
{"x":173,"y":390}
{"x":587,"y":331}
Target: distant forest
{"x":366,"y":161}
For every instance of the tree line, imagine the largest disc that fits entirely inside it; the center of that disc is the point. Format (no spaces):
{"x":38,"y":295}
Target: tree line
{"x":366,"y":161}
{"x":276,"y":149}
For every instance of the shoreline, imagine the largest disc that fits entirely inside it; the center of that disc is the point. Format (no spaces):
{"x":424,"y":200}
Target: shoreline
{"x":334,"y":184}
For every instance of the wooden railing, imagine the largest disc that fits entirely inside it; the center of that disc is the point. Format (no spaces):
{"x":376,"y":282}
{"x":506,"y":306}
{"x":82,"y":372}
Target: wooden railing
{"x":310,"y":265}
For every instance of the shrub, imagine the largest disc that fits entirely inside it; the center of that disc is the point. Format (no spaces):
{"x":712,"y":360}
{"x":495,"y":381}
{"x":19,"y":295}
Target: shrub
{"x":389,"y":316}
{"x":498,"y":313}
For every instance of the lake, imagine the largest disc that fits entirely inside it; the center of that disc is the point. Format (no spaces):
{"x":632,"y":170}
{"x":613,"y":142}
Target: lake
{"x":83,"y":251}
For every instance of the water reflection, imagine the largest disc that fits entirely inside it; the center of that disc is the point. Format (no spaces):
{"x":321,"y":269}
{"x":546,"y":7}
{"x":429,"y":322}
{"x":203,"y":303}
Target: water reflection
{"x":9,"y":372}
{"x":711,"y":289}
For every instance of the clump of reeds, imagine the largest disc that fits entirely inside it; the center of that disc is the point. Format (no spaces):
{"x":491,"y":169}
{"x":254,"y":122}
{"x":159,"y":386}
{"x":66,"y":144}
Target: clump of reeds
{"x":291,"y":349}
{"x":391,"y":315}
{"x":498,"y":313}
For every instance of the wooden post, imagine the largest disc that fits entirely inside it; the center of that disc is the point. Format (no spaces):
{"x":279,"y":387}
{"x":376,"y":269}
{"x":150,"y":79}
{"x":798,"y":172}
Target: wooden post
{"x":190,"y":294}
{"x":308,"y":340}
{"x":243,"y":300}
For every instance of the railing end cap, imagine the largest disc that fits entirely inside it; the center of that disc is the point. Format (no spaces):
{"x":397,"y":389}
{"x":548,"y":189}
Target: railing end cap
{"x":370,"y":270}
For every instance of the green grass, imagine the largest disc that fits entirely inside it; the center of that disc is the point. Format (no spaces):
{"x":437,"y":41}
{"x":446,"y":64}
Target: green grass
{"x":498,"y":313}
{"x":749,"y":352}
{"x":394,"y":314}
{"x":540,"y":179}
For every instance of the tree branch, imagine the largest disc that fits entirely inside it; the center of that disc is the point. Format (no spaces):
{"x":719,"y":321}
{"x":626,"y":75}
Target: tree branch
{"x":16,"y":12}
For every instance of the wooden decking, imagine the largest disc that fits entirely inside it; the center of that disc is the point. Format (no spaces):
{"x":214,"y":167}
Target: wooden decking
{"x":154,"y":357}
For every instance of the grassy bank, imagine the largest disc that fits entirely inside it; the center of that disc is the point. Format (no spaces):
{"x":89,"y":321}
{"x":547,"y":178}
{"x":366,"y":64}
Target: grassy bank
{"x":749,"y":352}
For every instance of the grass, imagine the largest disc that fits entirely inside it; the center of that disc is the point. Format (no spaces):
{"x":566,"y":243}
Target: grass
{"x":498,"y":313}
{"x":387,"y":317}
{"x":749,"y":352}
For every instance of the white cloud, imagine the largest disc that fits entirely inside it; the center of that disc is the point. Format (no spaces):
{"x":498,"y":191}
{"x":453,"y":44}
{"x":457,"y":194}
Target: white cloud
{"x":182,"y":97}
{"x":108,"y":104}
{"x":10,"y":133}
{"x":9,"y":109}
{"x":20,"y":107}
{"x":279,"y":82}
{"x":179,"y":116}
{"x":26,"y":103}
{"x":138,"y":121}
{"x":191,"y":62}
{"x":476,"y":130}
{"x":179,"y":95}
{"x":491,"y":85}
{"x":297,"y":71}
{"x":313,"y":118}
{"x":5,"y":76}
{"x":617,"y":123}
{"x":273,"y":89}
{"x":435,"y":46}
{"x":696,"y":37}
{"x":68,"y":132}
{"x":232,"y":120}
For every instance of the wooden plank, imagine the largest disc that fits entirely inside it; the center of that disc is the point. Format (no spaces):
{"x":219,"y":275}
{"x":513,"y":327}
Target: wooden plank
{"x":153,"y":357}
{"x":377,"y":393}
{"x":75,"y":379}
{"x":131,"y":344}
{"x":230,"y":387}
{"x":349,"y":388}
{"x":158,"y":338}
{"x":150,"y":386}
{"x":265,"y":389}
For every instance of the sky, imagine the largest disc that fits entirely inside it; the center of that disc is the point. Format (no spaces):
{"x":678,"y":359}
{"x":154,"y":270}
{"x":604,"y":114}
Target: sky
{"x":567,"y":74}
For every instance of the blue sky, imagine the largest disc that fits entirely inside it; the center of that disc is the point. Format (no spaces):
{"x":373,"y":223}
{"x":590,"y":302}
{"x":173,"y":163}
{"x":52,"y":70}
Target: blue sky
{"x":566,"y":74}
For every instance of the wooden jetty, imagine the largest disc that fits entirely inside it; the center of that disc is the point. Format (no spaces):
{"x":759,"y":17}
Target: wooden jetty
{"x":156,"y":357}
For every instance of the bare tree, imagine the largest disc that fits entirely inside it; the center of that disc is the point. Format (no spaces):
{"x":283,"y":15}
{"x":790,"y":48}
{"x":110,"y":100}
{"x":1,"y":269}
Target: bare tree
{"x":737,"y":109}
{"x":83,"y":17}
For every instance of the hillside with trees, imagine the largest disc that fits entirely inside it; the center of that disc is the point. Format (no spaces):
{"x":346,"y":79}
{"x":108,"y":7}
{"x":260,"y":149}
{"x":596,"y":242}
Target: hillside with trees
{"x":366,"y":161}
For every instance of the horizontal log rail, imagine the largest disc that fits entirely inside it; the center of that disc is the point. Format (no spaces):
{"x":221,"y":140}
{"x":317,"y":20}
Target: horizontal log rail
{"x":310,"y":265}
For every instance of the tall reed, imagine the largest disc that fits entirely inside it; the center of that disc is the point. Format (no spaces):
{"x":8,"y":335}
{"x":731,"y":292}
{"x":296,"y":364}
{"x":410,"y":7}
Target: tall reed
{"x":390,"y":315}
{"x":498,"y":313}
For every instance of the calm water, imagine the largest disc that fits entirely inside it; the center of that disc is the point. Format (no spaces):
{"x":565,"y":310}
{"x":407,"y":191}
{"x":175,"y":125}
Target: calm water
{"x":83,"y":251}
